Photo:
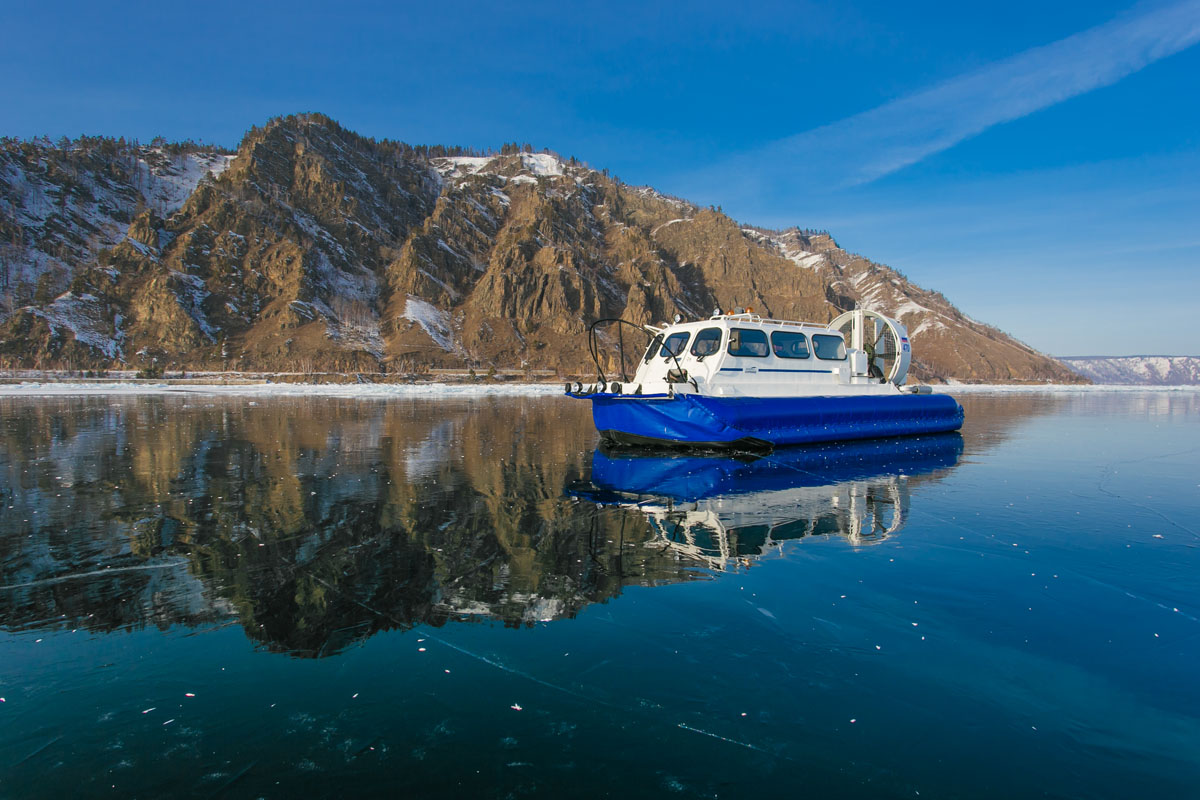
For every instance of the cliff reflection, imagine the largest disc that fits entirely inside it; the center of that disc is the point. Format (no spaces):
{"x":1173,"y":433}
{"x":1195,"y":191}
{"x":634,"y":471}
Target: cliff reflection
{"x":314,"y":523}
{"x":317,"y":523}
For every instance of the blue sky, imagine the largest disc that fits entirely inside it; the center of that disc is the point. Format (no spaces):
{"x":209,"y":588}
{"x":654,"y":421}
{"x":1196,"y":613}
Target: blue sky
{"x":1038,"y":163}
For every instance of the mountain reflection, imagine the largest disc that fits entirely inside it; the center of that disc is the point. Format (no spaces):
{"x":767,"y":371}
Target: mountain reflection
{"x":315,"y":523}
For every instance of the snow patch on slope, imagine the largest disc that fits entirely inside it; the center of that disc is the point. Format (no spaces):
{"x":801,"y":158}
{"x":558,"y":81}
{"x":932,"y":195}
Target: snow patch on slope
{"x":788,"y":248}
{"x":172,"y":179}
{"x":541,"y":164}
{"x":65,"y":222}
{"x":432,"y":320}
{"x":669,"y":223}
{"x":83,"y":315}
{"x":458,"y":166}
{"x":651,"y":192}
{"x":191,"y":293}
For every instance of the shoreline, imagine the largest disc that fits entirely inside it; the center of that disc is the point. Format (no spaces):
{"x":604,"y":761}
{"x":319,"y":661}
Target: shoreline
{"x":443,"y":389}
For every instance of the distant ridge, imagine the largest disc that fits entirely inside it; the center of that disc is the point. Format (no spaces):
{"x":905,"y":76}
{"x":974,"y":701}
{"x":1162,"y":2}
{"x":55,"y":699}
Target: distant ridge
{"x":312,"y":248}
{"x":1137,"y":370}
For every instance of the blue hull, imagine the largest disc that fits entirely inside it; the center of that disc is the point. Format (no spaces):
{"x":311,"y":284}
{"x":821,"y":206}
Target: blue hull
{"x":615,"y":475}
{"x":764,"y":422}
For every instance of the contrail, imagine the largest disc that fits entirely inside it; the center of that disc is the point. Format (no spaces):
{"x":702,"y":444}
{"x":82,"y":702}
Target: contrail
{"x":874,"y":143}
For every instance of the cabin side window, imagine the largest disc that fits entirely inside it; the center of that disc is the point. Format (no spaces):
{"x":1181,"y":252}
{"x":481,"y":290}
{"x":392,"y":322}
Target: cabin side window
{"x":748,"y":342}
{"x":653,"y":348}
{"x":830,"y":348}
{"x":707,"y":342}
{"x":674,"y":344}
{"x":789,"y":345}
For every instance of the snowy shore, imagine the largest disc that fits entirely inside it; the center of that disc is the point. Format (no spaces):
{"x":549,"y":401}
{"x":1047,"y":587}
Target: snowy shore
{"x":383,"y":391}
{"x":364,"y":390}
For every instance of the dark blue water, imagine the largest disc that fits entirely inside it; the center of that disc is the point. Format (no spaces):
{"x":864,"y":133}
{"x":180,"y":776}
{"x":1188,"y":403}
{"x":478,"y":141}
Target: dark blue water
{"x":320,"y":597}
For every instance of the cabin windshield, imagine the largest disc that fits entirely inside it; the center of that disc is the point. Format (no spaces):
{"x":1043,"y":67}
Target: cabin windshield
{"x":708,"y":341}
{"x":674,"y":344}
{"x":654,"y":345}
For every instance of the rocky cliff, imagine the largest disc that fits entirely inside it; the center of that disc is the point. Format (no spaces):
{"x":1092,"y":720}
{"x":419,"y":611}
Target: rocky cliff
{"x":315,"y":249}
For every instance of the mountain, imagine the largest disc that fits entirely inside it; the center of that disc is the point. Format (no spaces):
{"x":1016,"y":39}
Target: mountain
{"x":1138,"y":370}
{"x":315,"y":249}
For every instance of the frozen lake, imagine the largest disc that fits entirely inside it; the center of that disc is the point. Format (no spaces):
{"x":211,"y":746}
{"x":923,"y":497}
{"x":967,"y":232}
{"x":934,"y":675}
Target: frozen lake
{"x":279,"y":596}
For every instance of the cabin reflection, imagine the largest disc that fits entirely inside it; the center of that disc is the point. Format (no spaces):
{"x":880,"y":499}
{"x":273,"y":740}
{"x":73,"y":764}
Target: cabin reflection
{"x":863,"y":513}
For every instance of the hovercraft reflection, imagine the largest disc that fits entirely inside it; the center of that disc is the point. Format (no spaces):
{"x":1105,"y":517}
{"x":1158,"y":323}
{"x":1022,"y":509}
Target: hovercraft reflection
{"x":722,"y":511}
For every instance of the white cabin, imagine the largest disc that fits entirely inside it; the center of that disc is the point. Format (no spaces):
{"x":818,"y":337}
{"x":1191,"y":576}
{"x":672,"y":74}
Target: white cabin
{"x":745,"y":355}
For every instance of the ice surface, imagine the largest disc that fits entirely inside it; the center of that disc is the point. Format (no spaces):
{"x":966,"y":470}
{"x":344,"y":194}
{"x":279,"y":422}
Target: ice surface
{"x":338,"y":633}
{"x":384,"y":390}
{"x":365,"y":390}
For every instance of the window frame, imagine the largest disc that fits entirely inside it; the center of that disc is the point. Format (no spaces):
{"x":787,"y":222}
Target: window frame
{"x":655,"y":344}
{"x":840,"y":340}
{"x":663,"y":352}
{"x":808,"y":350}
{"x":697,"y":338}
{"x":765,"y":341}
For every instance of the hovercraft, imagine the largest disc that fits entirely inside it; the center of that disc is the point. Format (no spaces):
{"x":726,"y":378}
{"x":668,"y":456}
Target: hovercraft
{"x":743,"y":382}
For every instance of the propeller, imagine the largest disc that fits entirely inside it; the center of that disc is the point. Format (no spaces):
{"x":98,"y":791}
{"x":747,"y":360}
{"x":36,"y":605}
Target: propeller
{"x":880,"y":338}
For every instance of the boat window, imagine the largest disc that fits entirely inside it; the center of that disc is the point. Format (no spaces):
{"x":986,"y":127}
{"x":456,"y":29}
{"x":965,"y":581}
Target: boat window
{"x":830,"y":348}
{"x":789,"y":345}
{"x":674,"y":344}
{"x":653,"y":348}
{"x":707,"y":342}
{"x":748,"y":342}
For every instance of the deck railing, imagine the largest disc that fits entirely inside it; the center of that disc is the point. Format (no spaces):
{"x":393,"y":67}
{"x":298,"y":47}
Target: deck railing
{"x":750,"y":317}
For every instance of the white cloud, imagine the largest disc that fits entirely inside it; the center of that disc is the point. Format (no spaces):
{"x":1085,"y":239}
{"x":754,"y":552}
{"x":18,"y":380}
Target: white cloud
{"x":874,"y":143}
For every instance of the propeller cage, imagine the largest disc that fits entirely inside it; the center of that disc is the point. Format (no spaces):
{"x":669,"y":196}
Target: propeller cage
{"x":883,"y":339}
